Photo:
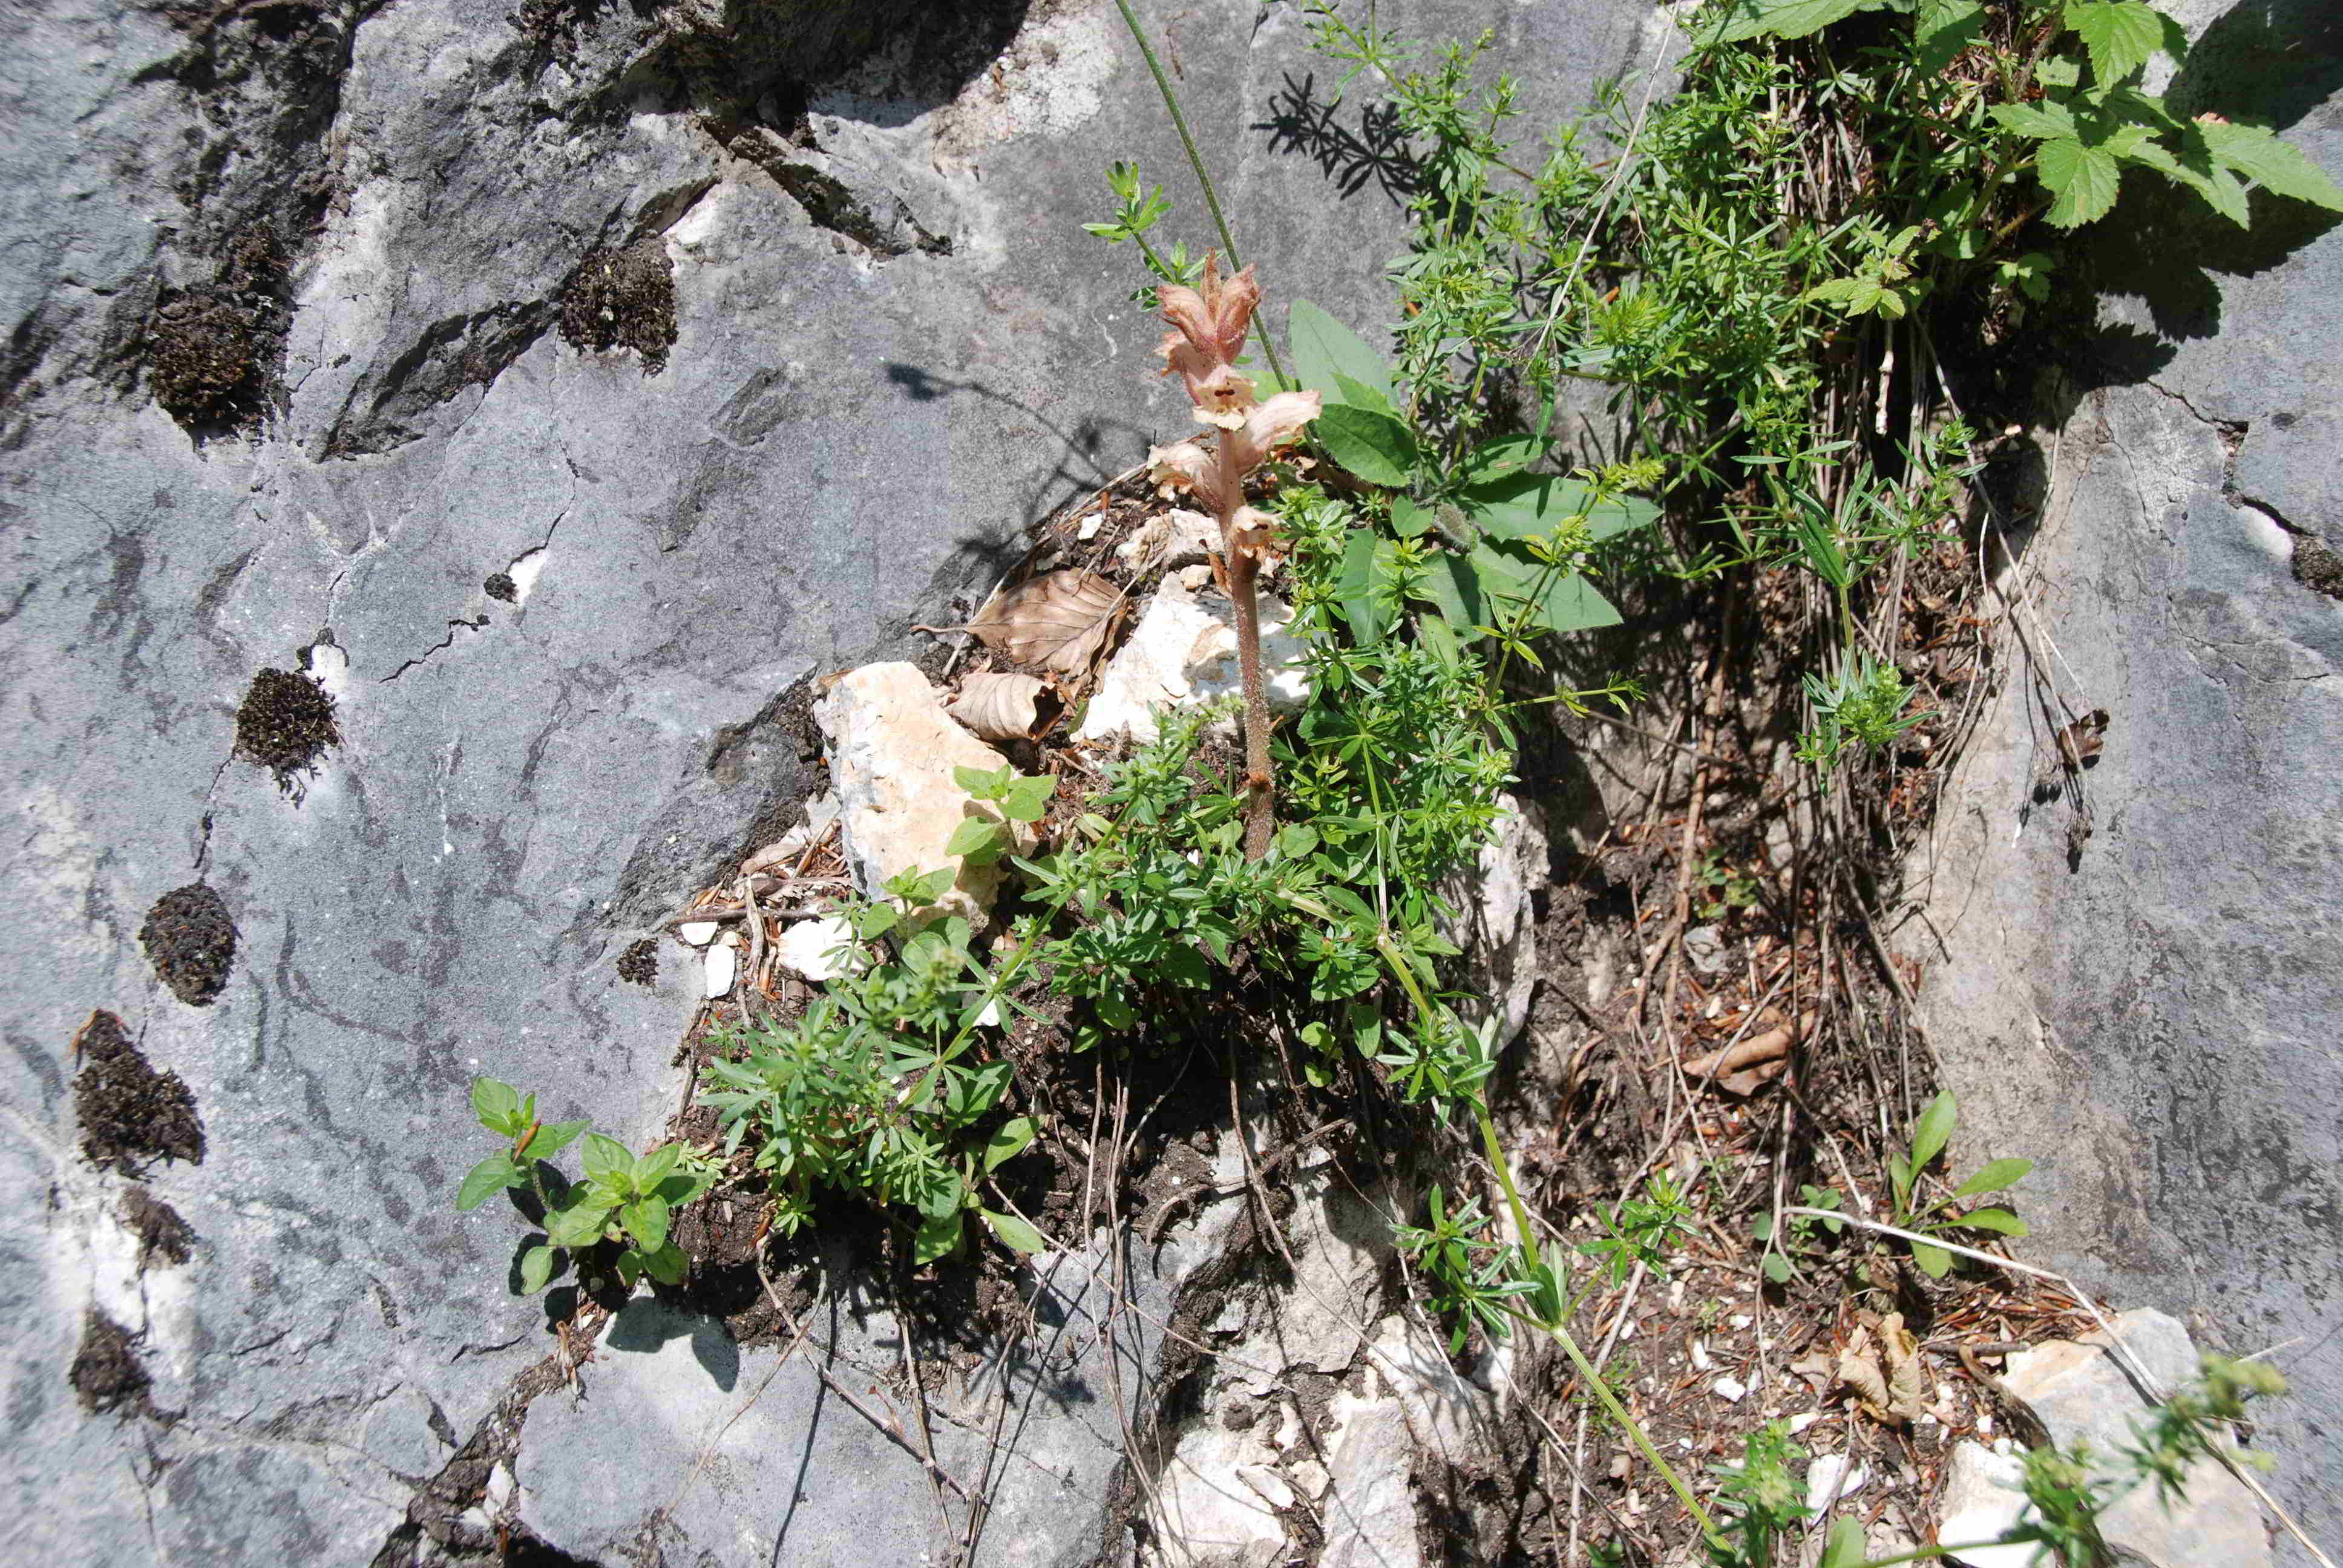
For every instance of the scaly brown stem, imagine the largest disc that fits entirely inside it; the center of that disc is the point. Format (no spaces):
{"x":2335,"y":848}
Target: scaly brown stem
{"x":1244,"y":572}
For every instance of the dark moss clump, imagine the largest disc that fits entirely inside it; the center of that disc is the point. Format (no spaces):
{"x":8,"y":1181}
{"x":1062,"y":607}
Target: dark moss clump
{"x":212,"y":351}
{"x":2318,"y":568}
{"x":106,"y":1372}
{"x":501,"y":586}
{"x":190,"y":940}
{"x":160,"y":1230}
{"x":130,"y":1114}
{"x":640,"y":963}
{"x":622,"y":299}
{"x":285,"y":723}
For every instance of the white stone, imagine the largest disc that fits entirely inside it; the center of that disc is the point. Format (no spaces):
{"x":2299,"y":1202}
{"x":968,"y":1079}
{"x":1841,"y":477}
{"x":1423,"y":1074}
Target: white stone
{"x":893,"y":750}
{"x":1983,"y":1501}
{"x":1730,"y":1389}
{"x":1832,"y":1476}
{"x":1201,"y":1503}
{"x":698,"y":933}
{"x":1184,"y":650}
{"x":1310,"y":1477}
{"x":809,"y":948}
{"x":1496,"y":924}
{"x":1270,"y":1486}
{"x":723,"y":965}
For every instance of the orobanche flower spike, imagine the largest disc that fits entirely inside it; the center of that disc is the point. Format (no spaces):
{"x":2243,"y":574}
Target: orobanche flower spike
{"x":1209,"y":324}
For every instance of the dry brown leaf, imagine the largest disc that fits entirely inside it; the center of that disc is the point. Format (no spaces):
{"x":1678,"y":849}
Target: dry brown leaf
{"x":1003,"y":707}
{"x":1886,"y":1378}
{"x":1060,"y":621}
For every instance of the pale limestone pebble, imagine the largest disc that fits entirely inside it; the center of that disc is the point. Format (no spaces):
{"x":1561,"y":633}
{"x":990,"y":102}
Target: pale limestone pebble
{"x":894,"y":752}
{"x":1184,"y":650}
{"x":1983,"y":1501}
{"x":723,"y":966}
{"x":1834,"y":1476}
{"x":698,"y":933}
{"x":809,"y":948}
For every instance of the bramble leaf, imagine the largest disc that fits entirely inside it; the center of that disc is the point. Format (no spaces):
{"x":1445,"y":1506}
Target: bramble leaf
{"x":2121,"y":35}
{"x":2082,"y":180}
{"x":2255,"y":152}
{"x":1943,"y":29}
{"x":1785,"y":18}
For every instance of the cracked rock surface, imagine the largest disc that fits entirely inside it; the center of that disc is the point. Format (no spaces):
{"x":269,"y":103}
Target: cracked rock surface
{"x":282,"y":388}
{"x":2181,"y":963}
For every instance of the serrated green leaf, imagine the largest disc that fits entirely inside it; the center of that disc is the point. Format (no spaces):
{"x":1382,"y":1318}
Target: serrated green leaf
{"x":1783,"y":19}
{"x":498,"y":1105}
{"x":2040,"y":121}
{"x":536,"y":1269}
{"x":1942,"y":29}
{"x":489,"y":1177}
{"x":1934,"y":1260}
{"x":2082,"y":181}
{"x":1323,"y":348}
{"x":2280,"y":168}
{"x":606,"y":1158}
{"x":1375,"y":447}
{"x":2000,"y":1220}
{"x":1998,"y":1175}
{"x":1014,"y":1232}
{"x":2120,"y":35}
{"x":974,"y":838}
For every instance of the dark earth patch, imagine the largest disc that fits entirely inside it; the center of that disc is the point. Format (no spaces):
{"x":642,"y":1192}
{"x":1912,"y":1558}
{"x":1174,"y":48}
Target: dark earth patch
{"x":622,"y":299}
{"x":285,"y":723}
{"x":130,"y":1114}
{"x":500,"y":585}
{"x":160,"y":1231}
{"x":639,"y":962}
{"x":105,"y":1373}
{"x":213,"y":351}
{"x":190,"y":940}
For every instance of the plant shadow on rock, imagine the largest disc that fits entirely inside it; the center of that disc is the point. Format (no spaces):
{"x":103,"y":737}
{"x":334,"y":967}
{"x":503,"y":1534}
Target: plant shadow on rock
{"x":130,"y":1115}
{"x":1377,"y":153}
{"x":190,"y":940}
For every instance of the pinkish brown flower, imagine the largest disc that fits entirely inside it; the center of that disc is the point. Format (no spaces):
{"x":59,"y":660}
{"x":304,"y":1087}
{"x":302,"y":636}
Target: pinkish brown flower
{"x":1185,"y":467}
{"x":1213,"y":317}
{"x":1272,"y":425}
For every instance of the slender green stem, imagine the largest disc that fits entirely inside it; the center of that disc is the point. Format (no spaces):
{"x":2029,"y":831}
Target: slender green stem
{"x":1195,"y":162}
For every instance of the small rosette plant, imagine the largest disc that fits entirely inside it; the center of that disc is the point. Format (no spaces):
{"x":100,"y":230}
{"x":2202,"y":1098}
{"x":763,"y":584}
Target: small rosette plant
{"x":1209,"y":324}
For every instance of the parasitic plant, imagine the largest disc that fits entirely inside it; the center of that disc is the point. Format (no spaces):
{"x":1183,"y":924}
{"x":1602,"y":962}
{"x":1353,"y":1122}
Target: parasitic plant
{"x":1209,"y":325}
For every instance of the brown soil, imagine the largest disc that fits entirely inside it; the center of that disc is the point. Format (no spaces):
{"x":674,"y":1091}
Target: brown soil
{"x":285,"y":724}
{"x":105,"y":1373}
{"x":622,"y":299}
{"x":161,"y":1232}
{"x":130,"y":1114}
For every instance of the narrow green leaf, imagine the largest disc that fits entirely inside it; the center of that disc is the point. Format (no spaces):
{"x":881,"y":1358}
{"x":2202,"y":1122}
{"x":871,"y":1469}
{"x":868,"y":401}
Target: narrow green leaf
{"x":1375,"y":447}
{"x":1998,"y":1176}
{"x":1934,"y":1129}
{"x":1006,"y":1143}
{"x":1847,"y":1547}
{"x":1323,"y":348}
{"x":2255,"y":152}
{"x":1014,"y":1232}
{"x":938,"y":1234}
{"x":2000,"y":1220}
{"x":2081,"y":180}
{"x":536,"y":1269}
{"x":490,"y":1176}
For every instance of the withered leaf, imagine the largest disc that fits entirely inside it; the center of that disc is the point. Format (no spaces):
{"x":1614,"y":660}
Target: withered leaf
{"x":1060,"y":621}
{"x":1003,"y":707}
{"x":1885,"y":1376}
{"x":2079,"y":742}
